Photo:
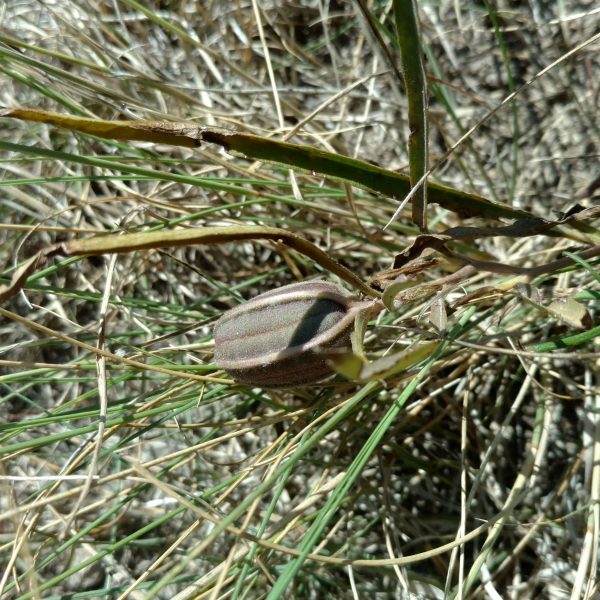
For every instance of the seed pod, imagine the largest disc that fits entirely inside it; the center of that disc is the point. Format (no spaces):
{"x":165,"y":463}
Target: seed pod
{"x":281,"y":338}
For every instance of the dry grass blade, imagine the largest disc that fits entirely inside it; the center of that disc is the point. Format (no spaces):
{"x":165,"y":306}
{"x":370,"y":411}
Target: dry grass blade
{"x":184,"y":237}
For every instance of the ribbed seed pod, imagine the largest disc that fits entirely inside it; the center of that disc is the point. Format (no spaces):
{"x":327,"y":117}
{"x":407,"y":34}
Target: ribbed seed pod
{"x":281,"y":337}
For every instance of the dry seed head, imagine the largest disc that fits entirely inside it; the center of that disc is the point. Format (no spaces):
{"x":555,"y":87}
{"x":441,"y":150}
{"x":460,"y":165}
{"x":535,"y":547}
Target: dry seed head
{"x":281,"y":338}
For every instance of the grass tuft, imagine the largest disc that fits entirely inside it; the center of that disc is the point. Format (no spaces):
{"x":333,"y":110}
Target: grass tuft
{"x":132,"y":467}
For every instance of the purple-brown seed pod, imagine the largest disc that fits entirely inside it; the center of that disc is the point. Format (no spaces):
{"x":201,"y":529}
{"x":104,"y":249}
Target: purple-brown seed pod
{"x":281,"y":338}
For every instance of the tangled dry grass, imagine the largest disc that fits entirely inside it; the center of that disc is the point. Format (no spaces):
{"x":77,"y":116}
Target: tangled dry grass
{"x":122,"y":482}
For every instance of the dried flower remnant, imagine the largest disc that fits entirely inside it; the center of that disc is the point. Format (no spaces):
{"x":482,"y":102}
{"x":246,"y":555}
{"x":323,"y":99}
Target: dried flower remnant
{"x":282,"y":338}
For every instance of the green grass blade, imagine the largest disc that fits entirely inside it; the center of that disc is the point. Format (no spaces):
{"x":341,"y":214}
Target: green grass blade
{"x":409,"y":41}
{"x":317,"y":162}
{"x":334,"y":502}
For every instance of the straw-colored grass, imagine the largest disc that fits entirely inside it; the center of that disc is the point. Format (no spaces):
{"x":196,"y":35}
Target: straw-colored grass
{"x":132,"y":467}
